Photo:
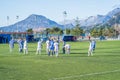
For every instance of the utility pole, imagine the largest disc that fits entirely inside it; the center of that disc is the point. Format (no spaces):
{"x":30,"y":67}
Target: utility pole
{"x":17,"y":17}
{"x":7,"y":20}
{"x":115,"y":26}
{"x":65,"y":15}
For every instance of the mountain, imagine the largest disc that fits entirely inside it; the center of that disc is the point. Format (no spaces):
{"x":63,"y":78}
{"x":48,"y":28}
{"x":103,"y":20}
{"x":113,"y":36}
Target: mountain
{"x":114,"y":20}
{"x":100,"y":19}
{"x":92,"y":20}
{"x":39,"y":21}
{"x":95,"y":20}
{"x":33,"y":21}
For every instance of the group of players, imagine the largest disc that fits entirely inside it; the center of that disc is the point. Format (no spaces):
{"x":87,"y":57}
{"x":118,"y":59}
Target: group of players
{"x":52,"y":46}
{"x":22,"y":45}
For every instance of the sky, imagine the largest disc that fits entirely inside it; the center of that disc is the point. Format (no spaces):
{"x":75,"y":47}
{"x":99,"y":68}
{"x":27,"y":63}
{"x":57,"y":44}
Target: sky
{"x":53,"y":9}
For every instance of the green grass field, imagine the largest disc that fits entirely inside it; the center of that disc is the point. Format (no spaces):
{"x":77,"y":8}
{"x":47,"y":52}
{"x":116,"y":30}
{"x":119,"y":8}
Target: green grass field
{"x":104,"y":65}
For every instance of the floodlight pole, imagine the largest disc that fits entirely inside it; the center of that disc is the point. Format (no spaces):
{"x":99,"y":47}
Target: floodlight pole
{"x":7,"y":20}
{"x":17,"y":17}
{"x":65,"y":15}
{"x":115,"y":25}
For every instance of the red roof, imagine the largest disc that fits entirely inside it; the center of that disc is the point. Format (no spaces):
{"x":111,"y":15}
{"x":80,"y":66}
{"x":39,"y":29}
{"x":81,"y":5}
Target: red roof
{"x":15,"y":33}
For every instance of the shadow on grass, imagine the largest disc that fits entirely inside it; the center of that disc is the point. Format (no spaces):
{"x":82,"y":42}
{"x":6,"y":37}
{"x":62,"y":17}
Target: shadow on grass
{"x":1,"y":68}
{"x":77,"y":53}
{"x":80,"y":49}
{"x":107,"y":52}
{"x":74,"y":55}
{"x":107,"y":55}
{"x":103,"y":48}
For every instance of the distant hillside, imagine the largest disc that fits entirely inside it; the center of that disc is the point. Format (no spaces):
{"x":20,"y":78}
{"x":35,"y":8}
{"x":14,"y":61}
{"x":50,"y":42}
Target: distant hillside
{"x":98,"y":19}
{"x":114,"y":20}
{"x":38,"y":21}
{"x":33,"y":21}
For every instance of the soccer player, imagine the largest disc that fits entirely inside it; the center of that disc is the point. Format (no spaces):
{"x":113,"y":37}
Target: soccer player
{"x":39,"y":47}
{"x":21,"y":43}
{"x":11,"y":44}
{"x":91,"y":47}
{"x":64,"y":43}
{"x":25,"y":47}
{"x":51,"y":47}
{"x":94,"y":44}
{"x":67,"y":48}
{"x":48,"y":46}
{"x":56,"y":46}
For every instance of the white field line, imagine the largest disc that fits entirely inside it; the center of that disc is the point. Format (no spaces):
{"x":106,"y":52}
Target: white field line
{"x":90,"y":74}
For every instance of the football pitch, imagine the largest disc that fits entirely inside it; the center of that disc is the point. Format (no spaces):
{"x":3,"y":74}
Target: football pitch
{"x":103,"y":65}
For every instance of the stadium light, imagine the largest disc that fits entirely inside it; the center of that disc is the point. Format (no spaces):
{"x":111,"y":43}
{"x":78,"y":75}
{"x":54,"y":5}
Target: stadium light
{"x":7,"y":20}
{"x":115,"y":25}
{"x":65,"y":15}
{"x":17,"y":17}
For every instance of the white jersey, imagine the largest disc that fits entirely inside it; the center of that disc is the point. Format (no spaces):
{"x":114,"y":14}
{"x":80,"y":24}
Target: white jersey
{"x":90,"y":46}
{"x":67,"y":46}
{"x":56,"y":46}
{"x":47,"y":44}
{"x":25,"y":45}
{"x":39,"y":45}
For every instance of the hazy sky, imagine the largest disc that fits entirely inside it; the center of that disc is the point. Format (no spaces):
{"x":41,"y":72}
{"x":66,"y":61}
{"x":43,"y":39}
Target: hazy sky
{"x":53,"y":9}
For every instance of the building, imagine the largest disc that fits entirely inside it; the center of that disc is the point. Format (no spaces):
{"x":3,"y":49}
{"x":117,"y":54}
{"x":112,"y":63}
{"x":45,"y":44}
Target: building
{"x":6,"y":36}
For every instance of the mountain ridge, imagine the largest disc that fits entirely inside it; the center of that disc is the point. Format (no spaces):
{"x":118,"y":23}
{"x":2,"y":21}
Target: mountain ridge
{"x":98,"y":19}
{"x":37,"y":21}
{"x":32,"y":21}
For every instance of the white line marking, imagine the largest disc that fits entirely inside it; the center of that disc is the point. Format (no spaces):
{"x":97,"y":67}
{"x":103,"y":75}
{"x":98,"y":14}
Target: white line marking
{"x":90,"y":74}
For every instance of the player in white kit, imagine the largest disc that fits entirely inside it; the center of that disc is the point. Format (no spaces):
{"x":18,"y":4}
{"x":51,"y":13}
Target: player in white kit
{"x":39,"y":47}
{"x":48,"y":46}
{"x":67,"y":48}
{"x":91,"y":47}
{"x":56,"y":48}
{"x":25,"y":47}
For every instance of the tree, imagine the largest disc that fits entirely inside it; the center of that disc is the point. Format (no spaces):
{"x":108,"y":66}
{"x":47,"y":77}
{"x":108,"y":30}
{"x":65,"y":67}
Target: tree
{"x":47,"y":31}
{"x":77,"y":30}
{"x":54,"y":30}
{"x":30,"y":30}
{"x":94,"y":32}
{"x":100,"y":32}
{"x":67,"y":31}
{"x":61,"y":32}
{"x":111,"y":32}
{"x":106,"y":31}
